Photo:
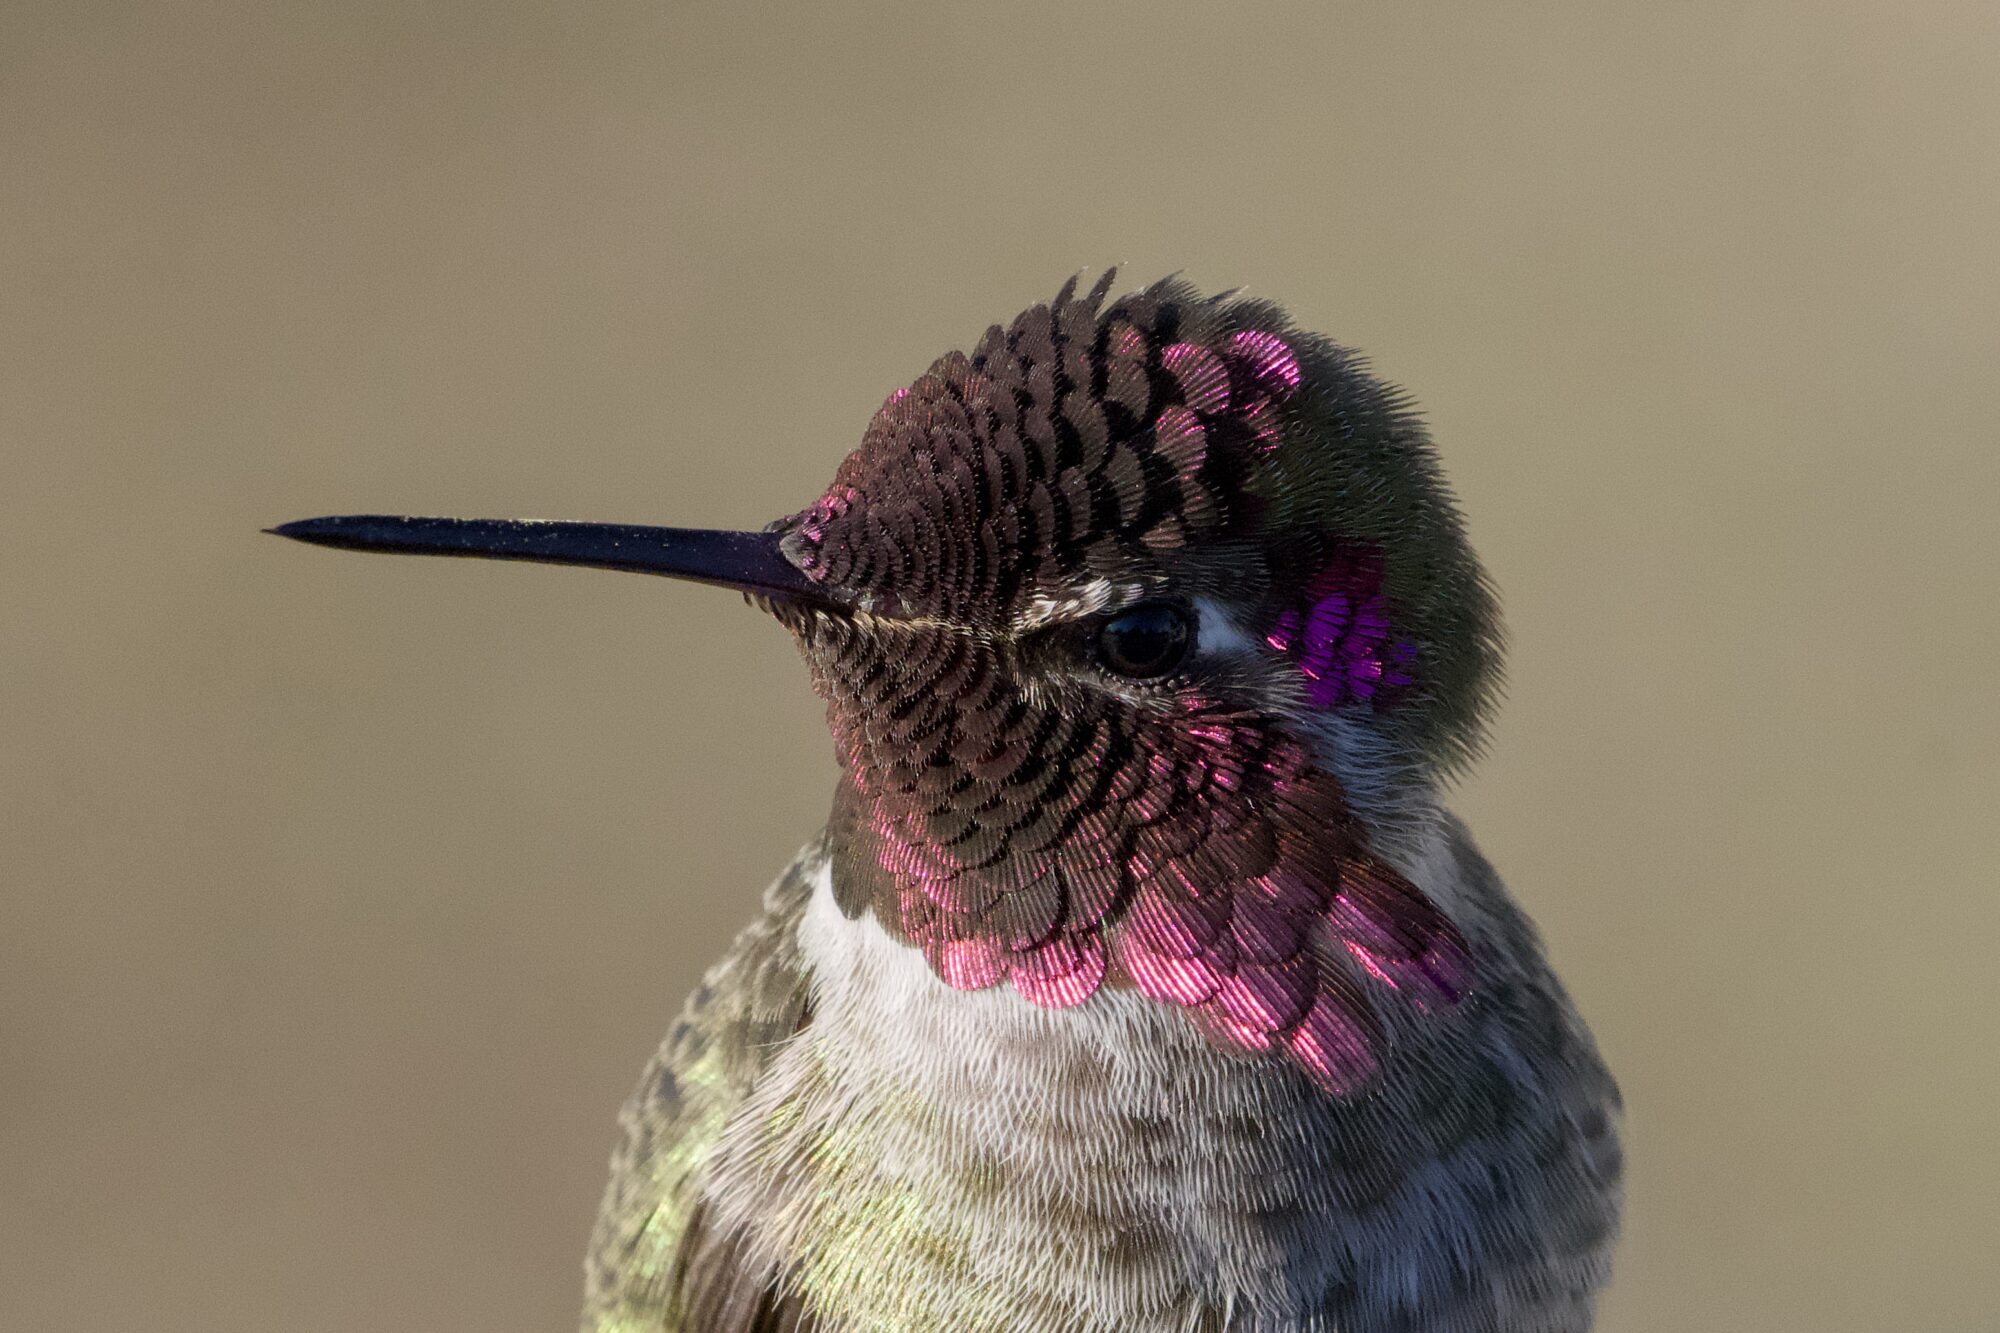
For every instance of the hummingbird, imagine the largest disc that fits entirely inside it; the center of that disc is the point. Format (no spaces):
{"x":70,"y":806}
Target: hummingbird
{"x":1140,"y":980}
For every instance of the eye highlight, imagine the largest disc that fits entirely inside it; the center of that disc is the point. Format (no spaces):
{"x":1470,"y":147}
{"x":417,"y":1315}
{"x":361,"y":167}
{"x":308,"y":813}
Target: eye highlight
{"x":1145,"y":641}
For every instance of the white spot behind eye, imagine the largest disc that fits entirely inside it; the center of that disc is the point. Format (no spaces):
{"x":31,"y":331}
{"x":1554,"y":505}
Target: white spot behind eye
{"x":1217,"y":633}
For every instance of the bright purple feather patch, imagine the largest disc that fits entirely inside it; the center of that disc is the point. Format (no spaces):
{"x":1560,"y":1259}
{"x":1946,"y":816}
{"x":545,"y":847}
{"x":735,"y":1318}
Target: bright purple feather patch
{"x":1339,"y":636}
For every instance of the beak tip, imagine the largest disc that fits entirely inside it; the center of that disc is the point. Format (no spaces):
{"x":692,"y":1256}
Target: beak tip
{"x":350,"y":531}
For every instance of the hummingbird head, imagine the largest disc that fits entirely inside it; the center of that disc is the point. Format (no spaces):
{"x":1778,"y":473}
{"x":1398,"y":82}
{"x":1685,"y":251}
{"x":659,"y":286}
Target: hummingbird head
{"x":1145,"y":630}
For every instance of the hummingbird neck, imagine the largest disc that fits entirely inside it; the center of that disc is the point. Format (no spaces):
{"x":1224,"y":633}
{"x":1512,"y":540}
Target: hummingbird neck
{"x":929,"y":1158}
{"x":1393,"y":796}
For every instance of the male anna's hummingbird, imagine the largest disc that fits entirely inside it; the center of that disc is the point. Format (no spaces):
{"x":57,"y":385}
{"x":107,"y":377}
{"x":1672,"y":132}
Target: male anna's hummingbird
{"x":1139,"y":982}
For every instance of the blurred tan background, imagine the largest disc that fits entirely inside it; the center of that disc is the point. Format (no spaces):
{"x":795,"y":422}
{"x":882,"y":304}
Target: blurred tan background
{"x":345,"y":897}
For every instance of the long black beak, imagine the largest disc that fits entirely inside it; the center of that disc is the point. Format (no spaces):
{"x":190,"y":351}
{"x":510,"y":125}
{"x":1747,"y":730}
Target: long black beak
{"x":748,"y":561}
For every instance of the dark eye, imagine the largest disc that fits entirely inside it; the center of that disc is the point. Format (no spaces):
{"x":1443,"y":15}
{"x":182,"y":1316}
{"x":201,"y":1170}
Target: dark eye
{"x":1148,"y":640}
